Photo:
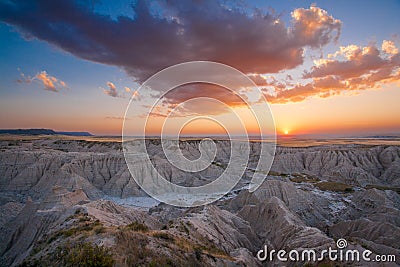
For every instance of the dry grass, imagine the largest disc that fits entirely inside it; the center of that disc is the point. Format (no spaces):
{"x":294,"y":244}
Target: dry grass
{"x":334,"y":186}
{"x":303,"y":178}
{"x":381,"y":187}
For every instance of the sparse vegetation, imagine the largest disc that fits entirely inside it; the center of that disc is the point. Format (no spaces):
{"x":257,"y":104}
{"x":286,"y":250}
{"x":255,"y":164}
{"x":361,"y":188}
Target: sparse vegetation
{"x":134,"y":251}
{"x":166,"y":262}
{"x":83,"y":254}
{"x":163,"y":235}
{"x":84,"y":225}
{"x":334,"y":186}
{"x":84,"y":219}
{"x":197,"y":253}
{"x":137,"y":226}
{"x":184,"y":228}
{"x":380,"y":187}
{"x":211,"y":249}
{"x":77,"y":211}
{"x":272,"y":173}
{"x":324,"y":263}
{"x":303,"y":178}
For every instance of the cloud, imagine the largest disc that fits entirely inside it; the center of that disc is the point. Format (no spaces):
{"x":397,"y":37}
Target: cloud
{"x":389,"y":47}
{"x":349,"y":70}
{"x":358,"y":61}
{"x":203,"y":90}
{"x":315,"y":27}
{"x":112,"y":91}
{"x":116,"y":118}
{"x":258,"y":79}
{"x":253,"y":42}
{"x":136,"y":96}
{"x":197,"y":99}
{"x":296,"y":94}
{"x":49,"y":82}
{"x":125,"y":93}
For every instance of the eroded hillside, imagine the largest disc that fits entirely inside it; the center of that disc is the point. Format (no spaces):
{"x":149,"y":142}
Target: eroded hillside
{"x":64,"y":196}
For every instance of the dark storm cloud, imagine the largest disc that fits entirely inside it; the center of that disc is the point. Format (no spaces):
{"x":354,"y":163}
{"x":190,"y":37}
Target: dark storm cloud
{"x":181,"y":31}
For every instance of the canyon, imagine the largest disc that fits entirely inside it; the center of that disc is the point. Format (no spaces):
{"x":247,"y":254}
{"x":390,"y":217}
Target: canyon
{"x":58,"y":192}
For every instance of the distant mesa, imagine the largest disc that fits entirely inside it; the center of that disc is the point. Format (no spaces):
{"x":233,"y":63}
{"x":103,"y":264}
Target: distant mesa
{"x":41,"y":132}
{"x":75,"y":133}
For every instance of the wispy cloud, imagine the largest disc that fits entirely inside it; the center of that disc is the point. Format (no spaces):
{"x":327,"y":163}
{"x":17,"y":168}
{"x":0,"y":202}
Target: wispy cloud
{"x":116,"y":118}
{"x":125,"y":93}
{"x":111,"y":91}
{"x":50,"y":83}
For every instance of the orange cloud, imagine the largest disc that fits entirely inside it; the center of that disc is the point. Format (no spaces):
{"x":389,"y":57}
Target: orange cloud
{"x":49,"y":82}
{"x":358,"y":61}
{"x":136,"y":95}
{"x":296,"y":94}
{"x":112,"y":91}
{"x":389,"y":47}
{"x":198,"y":90}
{"x":352,"y":68}
{"x":315,"y":27}
{"x":258,"y":79}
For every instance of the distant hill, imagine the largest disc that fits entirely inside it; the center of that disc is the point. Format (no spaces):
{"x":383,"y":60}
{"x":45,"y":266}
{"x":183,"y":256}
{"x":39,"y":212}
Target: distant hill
{"x":75,"y":133}
{"x":41,"y":132}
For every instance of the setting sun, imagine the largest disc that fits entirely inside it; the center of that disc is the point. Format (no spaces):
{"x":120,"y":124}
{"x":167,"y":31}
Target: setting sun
{"x":286,"y":132}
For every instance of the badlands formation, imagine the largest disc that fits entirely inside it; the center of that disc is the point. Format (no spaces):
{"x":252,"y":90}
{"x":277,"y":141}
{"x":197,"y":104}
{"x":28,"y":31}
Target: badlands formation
{"x":62,"y":196}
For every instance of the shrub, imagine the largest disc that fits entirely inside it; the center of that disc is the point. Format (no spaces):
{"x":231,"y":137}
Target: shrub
{"x":303,"y":178}
{"x":137,"y":226}
{"x":197,"y":253}
{"x":82,"y":254}
{"x":334,"y":186}
{"x":98,"y":229}
{"x":380,"y":187}
{"x":162,"y":261}
{"x":163,"y":235}
{"x":184,"y":228}
{"x":84,"y":219}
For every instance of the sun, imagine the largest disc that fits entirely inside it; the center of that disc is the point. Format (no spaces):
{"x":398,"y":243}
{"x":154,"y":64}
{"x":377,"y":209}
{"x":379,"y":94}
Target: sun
{"x":286,"y":132}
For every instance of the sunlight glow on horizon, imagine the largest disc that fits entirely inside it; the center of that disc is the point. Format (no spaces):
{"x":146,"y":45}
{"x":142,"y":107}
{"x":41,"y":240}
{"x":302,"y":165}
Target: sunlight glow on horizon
{"x":374,"y":111}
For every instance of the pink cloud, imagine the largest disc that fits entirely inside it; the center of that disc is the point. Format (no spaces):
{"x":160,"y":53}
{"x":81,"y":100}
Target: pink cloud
{"x":112,"y":91}
{"x":49,"y":82}
{"x":349,"y":70}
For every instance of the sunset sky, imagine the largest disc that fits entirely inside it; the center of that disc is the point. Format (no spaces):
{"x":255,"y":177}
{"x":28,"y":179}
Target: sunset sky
{"x":325,"y":67}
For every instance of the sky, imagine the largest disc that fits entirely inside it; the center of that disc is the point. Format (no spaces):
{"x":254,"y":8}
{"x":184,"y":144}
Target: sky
{"x":325,"y":67}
